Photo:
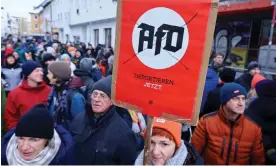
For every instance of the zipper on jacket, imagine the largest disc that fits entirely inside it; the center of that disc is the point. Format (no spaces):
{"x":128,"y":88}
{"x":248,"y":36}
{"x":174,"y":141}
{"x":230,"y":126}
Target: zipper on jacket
{"x":222,"y":149}
{"x":230,"y":143}
{"x":236,"y":151}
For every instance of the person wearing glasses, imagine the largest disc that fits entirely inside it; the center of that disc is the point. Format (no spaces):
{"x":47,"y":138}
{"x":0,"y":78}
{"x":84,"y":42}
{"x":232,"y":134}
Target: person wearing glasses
{"x":102,"y":137}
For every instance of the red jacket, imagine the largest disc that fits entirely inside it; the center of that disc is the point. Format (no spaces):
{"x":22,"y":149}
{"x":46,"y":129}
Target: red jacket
{"x":221,"y":142}
{"x":21,"y":99}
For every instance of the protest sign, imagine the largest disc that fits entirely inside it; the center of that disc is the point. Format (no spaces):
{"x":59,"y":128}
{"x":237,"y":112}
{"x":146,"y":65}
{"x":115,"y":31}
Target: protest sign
{"x":161,"y":56}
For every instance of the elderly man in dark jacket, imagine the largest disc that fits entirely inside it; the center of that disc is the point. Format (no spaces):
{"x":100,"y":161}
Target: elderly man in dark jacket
{"x":101,"y":135}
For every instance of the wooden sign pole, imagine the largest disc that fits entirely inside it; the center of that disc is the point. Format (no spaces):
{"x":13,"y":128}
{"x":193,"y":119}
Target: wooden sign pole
{"x":148,"y":133}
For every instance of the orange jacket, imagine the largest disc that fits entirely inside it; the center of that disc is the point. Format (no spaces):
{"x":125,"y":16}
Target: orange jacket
{"x":220,"y":141}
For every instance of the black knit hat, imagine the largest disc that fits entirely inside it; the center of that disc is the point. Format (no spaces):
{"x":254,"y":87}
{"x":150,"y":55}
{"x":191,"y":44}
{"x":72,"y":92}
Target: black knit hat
{"x":48,"y":57}
{"x":227,"y":75}
{"x":28,"y":67}
{"x":36,"y":123}
{"x":266,"y":88}
{"x":104,"y":85}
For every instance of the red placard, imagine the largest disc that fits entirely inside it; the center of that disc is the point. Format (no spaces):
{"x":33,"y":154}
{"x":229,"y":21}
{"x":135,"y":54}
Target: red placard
{"x":161,"y":56}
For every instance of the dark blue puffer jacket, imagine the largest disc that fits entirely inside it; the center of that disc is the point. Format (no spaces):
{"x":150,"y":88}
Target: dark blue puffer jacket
{"x":211,"y":83}
{"x":63,"y":157}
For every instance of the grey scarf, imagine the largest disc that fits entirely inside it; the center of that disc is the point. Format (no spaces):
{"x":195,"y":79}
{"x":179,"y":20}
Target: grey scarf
{"x":178,"y":158}
{"x":43,"y":158}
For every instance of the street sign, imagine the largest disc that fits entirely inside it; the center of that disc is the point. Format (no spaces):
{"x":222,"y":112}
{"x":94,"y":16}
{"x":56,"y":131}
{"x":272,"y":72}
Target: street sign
{"x":161,"y":56}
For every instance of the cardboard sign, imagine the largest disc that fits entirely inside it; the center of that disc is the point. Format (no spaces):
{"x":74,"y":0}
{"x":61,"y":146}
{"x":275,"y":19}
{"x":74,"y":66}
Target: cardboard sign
{"x":161,"y":56}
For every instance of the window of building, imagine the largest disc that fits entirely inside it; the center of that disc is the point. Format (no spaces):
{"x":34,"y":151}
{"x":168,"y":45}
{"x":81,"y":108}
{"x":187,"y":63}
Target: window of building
{"x":108,"y":36}
{"x":35,"y":17}
{"x":36,"y":26}
{"x":96,"y":37}
{"x":77,"y":39}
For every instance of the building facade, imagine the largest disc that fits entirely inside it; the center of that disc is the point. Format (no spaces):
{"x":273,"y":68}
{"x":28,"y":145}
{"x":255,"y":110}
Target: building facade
{"x":89,"y":21}
{"x":35,"y":23}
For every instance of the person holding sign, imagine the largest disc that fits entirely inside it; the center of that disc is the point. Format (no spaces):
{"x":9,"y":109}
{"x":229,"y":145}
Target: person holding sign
{"x":102,"y":136}
{"x":227,"y":136}
{"x":167,"y":148}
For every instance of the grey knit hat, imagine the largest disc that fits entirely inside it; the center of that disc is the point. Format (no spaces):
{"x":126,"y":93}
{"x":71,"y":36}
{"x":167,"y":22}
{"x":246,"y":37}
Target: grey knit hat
{"x":86,"y":64}
{"x":61,"y":70}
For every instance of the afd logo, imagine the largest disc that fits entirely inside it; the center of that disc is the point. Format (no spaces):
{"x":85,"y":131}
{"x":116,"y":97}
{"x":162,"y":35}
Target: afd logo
{"x":160,"y":38}
{"x":165,"y":30}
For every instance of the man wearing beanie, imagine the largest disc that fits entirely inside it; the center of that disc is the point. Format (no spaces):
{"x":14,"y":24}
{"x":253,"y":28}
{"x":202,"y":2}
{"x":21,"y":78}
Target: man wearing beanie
{"x":65,"y":101}
{"x":175,"y":151}
{"x":102,"y":136}
{"x":246,"y":79}
{"x":227,"y":136}
{"x":213,"y":99}
{"x":31,"y":91}
{"x":37,"y":141}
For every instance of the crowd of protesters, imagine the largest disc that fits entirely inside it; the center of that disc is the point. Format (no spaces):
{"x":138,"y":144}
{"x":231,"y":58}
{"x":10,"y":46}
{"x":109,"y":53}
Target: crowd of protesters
{"x":57,"y":110}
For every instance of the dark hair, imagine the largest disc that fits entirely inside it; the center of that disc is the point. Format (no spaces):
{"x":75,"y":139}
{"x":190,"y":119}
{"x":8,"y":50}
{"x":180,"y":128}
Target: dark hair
{"x":219,"y":54}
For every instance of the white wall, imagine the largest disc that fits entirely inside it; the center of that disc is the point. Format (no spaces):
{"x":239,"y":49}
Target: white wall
{"x":46,"y":15}
{"x":101,"y":26}
{"x":92,"y":10}
{"x":3,"y":22}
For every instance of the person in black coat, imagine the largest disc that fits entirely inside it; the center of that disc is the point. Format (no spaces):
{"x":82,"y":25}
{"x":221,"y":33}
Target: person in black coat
{"x":263,"y":111}
{"x":213,"y":100}
{"x":246,"y":79}
{"x":102,"y":137}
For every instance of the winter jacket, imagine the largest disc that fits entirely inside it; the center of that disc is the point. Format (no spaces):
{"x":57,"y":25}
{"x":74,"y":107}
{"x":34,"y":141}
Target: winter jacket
{"x":124,"y":114}
{"x":64,"y":155}
{"x":245,"y":81}
{"x":263,"y":111}
{"x":75,"y":104}
{"x":211,"y":82}
{"x":96,"y":74}
{"x":103,"y":141}
{"x":213,"y":101}
{"x":12,"y":76}
{"x":186,"y":154}
{"x":21,"y":99}
{"x":220,"y":141}
{"x":21,"y":55}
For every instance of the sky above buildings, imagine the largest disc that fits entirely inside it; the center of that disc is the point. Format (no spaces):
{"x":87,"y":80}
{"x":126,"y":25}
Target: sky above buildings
{"x":20,"y":8}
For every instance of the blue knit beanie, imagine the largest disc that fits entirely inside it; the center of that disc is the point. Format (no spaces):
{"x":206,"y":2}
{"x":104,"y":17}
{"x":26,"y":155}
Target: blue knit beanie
{"x":28,"y":67}
{"x":230,"y":90}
